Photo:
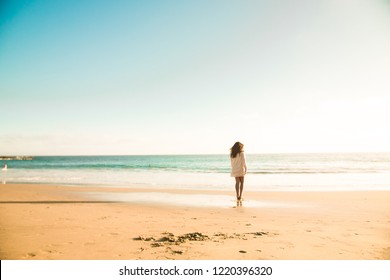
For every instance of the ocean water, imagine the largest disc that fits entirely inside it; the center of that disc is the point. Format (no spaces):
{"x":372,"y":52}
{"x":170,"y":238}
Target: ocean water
{"x":266,"y":172}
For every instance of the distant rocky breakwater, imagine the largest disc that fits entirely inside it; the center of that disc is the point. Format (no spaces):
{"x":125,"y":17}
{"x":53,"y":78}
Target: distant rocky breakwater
{"x":16,"y":158}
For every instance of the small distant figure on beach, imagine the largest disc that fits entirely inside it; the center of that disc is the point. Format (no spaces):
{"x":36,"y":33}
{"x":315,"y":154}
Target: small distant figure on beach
{"x":4,"y":167}
{"x":239,"y":168}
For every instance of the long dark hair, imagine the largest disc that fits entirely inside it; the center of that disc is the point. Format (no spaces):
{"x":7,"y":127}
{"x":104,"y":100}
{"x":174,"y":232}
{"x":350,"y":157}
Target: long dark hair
{"x":236,"y":149}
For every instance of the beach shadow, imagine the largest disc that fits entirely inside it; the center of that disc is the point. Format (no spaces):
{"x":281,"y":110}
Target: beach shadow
{"x":55,"y":202}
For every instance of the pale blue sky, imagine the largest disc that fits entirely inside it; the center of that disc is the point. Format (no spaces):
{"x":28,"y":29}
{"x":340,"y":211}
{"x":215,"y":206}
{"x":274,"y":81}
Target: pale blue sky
{"x":172,"y":77}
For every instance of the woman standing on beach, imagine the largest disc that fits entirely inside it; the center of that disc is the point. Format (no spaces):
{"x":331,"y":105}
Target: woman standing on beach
{"x":239,"y":168}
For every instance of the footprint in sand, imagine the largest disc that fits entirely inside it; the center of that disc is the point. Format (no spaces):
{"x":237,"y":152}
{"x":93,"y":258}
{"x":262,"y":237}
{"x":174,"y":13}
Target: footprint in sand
{"x":178,"y":252}
{"x":52,"y":252}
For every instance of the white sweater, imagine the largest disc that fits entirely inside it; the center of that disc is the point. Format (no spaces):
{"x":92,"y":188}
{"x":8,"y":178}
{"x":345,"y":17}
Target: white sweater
{"x":238,"y":165}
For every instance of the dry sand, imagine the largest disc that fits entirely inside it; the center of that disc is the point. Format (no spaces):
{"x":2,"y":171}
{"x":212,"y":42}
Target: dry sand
{"x":57,"y":222}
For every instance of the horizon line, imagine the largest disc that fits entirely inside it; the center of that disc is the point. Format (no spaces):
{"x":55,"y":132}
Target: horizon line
{"x":188,"y":154}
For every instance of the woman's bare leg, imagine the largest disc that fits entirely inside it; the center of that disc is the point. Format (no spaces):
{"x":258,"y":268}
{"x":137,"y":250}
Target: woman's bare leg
{"x":237,"y":187}
{"x":241,"y":179}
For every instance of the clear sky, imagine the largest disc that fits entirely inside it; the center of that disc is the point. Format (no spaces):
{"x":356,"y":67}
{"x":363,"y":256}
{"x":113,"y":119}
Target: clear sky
{"x":184,"y":77}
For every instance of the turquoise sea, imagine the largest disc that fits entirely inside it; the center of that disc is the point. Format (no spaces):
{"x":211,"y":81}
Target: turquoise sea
{"x":352,"y":171}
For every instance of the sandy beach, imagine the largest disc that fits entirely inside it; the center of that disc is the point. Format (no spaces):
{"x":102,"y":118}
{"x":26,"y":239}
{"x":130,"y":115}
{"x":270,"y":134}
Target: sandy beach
{"x":68,"y":223}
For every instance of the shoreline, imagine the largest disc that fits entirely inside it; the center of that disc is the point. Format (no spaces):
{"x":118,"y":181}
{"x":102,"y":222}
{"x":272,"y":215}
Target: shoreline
{"x":57,"y":222}
{"x":225,"y":188}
